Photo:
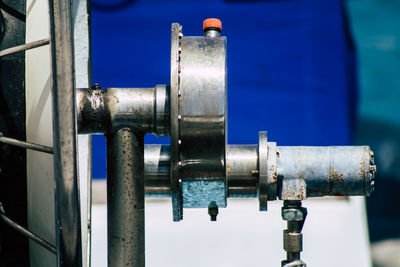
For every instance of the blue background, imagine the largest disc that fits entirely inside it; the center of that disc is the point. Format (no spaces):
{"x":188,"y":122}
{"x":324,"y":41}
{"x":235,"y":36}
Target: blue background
{"x":291,"y":64}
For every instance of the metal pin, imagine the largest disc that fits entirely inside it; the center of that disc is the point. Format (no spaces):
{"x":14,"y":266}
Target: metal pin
{"x":24,"y":47}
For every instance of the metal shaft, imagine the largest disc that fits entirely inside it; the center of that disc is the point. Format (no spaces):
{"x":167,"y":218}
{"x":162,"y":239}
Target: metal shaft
{"x":68,"y":218}
{"x":26,"y":232}
{"x":342,"y":171}
{"x":295,"y":215}
{"x":23,"y":144}
{"x":24,"y":47}
{"x":125,"y":198}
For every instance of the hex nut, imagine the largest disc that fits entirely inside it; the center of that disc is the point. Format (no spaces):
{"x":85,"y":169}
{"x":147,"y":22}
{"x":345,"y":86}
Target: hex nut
{"x":292,"y":215}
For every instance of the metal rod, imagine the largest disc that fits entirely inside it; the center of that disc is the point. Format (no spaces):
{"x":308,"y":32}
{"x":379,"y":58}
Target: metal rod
{"x":26,"y":232}
{"x":23,"y":144}
{"x":68,"y":217}
{"x":125,"y":198}
{"x":24,"y":47}
{"x":295,"y":215}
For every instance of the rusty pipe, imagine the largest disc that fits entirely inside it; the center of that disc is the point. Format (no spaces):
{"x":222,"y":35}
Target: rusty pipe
{"x":323,"y":171}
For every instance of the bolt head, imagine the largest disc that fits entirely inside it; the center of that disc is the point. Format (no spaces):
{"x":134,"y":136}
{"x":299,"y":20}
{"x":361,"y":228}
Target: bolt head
{"x":292,"y":215}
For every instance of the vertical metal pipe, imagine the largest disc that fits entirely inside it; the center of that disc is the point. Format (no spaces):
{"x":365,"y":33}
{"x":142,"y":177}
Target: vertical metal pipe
{"x":125,"y":198}
{"x":68,"y":221}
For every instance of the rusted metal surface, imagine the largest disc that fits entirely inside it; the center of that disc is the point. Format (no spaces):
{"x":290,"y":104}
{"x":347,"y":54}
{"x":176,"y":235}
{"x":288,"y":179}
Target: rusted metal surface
{"x":301,"y":172}
{"x":125,"y":198}
{"x":107,"y":110}
{"x":325,"y":171}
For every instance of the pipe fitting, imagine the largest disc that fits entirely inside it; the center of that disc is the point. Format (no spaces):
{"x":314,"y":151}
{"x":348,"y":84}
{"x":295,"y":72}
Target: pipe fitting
{"x":107,"y":110}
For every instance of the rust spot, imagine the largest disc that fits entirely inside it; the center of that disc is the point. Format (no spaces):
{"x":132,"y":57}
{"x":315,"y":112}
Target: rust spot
{"x":228,"y":168}
{"x":275,"y":176}
{"x":335,"y":176}
{"x":364,"y":170}
{"x":300,"y":195}
{"x":290,"y":194}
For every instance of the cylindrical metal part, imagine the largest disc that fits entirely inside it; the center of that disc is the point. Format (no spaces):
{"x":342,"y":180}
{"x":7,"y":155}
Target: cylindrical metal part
{"x":162,"y":110}
{"x":202,"y":121}
{"x":24,"y":47}
{"x":107,"y":110}
{"x":198,"y":121}
{"x":125,"y":198}
{"x":157,"y":170}
{"x":26,"y":232}
{"x":242,"y":170}
{"x":323,"y":171}
{"x":292,"y":242}
{"x":295,"y":215}
{"x":27,"y":145}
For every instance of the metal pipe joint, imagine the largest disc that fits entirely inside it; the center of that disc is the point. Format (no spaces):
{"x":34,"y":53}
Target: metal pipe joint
{"x":103,"y":110}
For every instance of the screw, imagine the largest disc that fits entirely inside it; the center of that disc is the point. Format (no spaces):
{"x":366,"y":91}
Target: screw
{"x":96,"y":86}
{"x":213,"y":211}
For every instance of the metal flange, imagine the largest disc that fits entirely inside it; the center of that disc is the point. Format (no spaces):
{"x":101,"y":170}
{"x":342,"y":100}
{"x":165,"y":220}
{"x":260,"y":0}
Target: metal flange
{"x":267,"y":170}
{"x":176,"y":31}
{"x":198,"y":121}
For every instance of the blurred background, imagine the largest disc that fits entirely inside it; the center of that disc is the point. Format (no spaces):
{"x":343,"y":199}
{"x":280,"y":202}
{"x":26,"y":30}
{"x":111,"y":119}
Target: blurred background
{"x":310,"y":72}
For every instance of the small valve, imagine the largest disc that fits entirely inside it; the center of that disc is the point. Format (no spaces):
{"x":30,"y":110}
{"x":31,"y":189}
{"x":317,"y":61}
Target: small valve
{"x":212,"y":27}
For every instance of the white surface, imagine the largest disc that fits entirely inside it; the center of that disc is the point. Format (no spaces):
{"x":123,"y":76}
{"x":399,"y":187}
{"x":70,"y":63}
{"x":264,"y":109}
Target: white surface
{"x":335,"y":234}
{"x":386,"y":253}
{"x":39,"y":129}
{"x":40,"y":174}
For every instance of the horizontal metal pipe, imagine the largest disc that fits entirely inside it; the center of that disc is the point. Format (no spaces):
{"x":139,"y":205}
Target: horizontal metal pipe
{"x":107,"y":110}
{"x":24,"y":47}
{"x":326,"y":171}
{"x":345,"y":170}
{"x":241,"y":171}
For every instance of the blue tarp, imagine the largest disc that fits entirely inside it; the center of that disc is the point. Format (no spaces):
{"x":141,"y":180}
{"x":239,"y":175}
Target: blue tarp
{"x":291,"y":64}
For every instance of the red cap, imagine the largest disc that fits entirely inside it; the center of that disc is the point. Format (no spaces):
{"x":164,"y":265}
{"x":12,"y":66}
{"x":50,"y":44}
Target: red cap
{"x":212,"y":23}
